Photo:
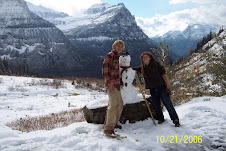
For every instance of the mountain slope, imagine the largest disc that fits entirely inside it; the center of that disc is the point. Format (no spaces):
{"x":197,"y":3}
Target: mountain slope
{"x":26,"y":38}
{"x":114,"y":22}
{"x":202,"y":73}
{"x":102,"y":24}
{"x":181,"y":28}
{"x":184,"y":40}
{"x":46,"y":13}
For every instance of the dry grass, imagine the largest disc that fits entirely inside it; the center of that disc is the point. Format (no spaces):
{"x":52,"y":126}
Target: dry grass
{"x":55,"y":83}
{"x":89,"y":83}
{"x":47,"y":122}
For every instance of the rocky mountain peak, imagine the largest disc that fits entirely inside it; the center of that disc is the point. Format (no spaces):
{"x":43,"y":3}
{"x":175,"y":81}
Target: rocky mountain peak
{"x":27,"y":39}
{"x":38,"y":43}
{"x":97,"y":8}
{"x":102,"y":7}
{"x":101,"y":25}
{"x":45,"y":12}
{"x":121,"y":4}
{"x":14,"y":9}
{"x":188,"y":38}
{"x":15,"y":13}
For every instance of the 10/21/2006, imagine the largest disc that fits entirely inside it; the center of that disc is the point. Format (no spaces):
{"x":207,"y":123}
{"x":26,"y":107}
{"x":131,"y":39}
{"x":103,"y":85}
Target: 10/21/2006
{"x":183,"y":139}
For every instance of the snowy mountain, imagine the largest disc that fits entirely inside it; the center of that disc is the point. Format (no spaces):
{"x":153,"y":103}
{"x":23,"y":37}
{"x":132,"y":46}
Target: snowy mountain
{"x":102,"y":24}
{"x":28,"y":39}
{"x":194,"y":31}
{"x":27,"y":99}
{"x":202,"y":73}
{"x":184,"y":32}
{"x":46,"y":13}
{"x":184,"y":40}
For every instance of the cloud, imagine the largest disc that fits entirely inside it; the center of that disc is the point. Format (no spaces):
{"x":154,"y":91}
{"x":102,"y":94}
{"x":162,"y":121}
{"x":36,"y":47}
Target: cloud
{"x":196,"y":1}
{"x":159,"y":25}
{"x":178,"y":21}
{"x":71,"y":7}
{"x":214,"y":15}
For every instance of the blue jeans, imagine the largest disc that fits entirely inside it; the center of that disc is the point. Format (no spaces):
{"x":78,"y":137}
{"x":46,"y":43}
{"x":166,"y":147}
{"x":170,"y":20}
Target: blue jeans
{"x":160,"y":93}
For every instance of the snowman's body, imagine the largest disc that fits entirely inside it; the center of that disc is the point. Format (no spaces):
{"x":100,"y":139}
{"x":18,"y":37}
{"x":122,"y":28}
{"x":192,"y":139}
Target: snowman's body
{"x":128,"y":92}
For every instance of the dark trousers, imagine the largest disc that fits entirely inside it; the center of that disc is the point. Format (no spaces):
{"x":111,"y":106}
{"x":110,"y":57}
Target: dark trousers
{"x":160,"y":93}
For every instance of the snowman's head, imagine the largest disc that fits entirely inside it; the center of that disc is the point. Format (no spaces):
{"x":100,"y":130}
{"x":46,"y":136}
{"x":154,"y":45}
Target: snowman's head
{"x":124,"y":59}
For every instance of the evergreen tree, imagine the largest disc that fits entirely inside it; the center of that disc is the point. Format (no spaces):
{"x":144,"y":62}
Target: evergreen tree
{"x":6,"y":66}
{"x":2,"y":68}
{"x":204,"y":40}
{"x":221,"y":30}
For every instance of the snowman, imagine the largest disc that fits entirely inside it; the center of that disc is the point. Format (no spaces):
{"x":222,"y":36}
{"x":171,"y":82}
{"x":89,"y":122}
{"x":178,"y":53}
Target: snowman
{"x":128,"y":92}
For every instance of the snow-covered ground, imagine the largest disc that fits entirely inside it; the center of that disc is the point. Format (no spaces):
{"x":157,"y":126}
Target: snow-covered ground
{"x":202,"y":120}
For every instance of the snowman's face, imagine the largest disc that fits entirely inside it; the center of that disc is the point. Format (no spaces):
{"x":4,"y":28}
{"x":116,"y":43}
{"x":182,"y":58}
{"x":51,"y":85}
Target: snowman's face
{"x":124,"y":60}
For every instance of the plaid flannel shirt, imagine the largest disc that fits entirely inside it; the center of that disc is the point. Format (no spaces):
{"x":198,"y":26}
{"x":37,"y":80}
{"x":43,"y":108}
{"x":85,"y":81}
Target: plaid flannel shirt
{"x":110,"y":69}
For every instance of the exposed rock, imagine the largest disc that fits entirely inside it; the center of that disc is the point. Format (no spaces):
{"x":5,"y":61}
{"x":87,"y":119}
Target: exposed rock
{"x":28,"y":39}
{"x":112,"y":23}
{"x":99,"y":26}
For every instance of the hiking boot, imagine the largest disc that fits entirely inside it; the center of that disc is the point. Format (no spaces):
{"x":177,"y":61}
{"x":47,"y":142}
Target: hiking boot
{"x":176,"y":122}
{"x":160,"y":121}
{"x":109,"y":132}
{"x":118,"y":126}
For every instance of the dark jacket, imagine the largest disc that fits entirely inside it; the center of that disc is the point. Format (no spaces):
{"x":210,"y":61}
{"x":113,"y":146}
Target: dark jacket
{"x":153,"y":73}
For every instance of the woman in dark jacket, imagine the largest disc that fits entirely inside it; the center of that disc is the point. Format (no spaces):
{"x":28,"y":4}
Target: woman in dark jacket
{"x":157,"y":81}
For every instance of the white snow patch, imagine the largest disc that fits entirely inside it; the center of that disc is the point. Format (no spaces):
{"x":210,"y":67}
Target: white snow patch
{"x":20,"y":96}
{"x":41,"y":53}
{"x":100,"y":38}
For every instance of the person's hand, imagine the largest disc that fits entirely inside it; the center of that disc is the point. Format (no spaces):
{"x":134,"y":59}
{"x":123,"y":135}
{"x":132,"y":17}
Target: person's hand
{"x":168,"y":85}
{"x":168,"y":91}
{"x":110,"y":85}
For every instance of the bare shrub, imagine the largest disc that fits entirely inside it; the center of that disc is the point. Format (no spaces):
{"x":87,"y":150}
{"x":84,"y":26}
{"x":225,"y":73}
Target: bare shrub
{"x":90,"y":83}
{"x":47,"y":122}
{"x":44,"y":82}
{"x":17,"y":88}
{"x":55,"y":83}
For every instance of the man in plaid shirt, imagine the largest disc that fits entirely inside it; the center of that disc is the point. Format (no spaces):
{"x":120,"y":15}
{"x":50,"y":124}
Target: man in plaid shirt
{"x":110,"y":71}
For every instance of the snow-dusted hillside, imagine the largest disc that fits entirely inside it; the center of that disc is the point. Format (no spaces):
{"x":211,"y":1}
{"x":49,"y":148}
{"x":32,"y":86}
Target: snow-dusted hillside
{"x":46,"y":13}
{"x":203,"y":72}
{"x":184,"y":40}
{"x":100,"y":25}
{"x":29,"y":40}
{"x":184,"y":32}
{"x":194,"y":31}
{"x":14,"y":9}
{"x":202,"y":121}
{"x":95,"y":15}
